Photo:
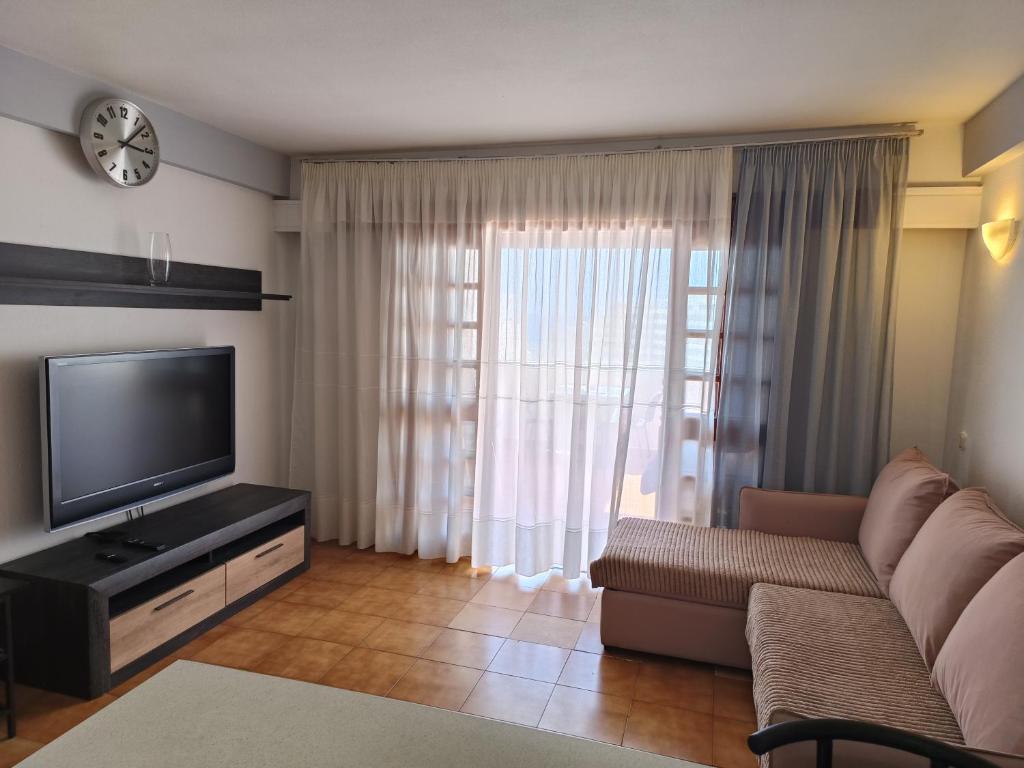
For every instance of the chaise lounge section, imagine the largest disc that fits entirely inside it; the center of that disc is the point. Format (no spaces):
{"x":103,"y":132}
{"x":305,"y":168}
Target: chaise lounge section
{"x":844,"y":607}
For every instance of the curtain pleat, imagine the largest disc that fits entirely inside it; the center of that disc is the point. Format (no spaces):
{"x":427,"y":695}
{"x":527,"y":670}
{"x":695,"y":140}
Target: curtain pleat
{"x":807,"y":365}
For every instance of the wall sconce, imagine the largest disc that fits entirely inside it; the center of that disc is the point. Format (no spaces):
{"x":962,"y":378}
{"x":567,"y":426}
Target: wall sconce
{"x":999,"y":237}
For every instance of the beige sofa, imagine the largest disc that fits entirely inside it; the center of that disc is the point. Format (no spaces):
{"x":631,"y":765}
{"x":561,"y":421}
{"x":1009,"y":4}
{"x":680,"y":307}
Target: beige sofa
{"x":905,"y":608}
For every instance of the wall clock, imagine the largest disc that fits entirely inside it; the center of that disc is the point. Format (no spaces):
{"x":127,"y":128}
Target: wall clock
{"x":119,"y":142}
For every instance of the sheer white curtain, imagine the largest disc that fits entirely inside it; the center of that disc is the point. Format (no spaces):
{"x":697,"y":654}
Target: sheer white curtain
{"x":385,"y":375}
{"x":498,"y":357}
{"x":601,"y":309}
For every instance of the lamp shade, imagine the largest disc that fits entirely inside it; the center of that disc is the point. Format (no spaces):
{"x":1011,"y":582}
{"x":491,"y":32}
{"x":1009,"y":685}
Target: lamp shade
{"x":999,"y":237}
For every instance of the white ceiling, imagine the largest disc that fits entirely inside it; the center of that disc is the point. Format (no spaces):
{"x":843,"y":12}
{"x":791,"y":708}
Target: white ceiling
{"x":339,"y":75}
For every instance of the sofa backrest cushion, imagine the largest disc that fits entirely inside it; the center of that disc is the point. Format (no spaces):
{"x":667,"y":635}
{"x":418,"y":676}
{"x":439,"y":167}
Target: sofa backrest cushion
{"x":979,"y":669}
{"x":905,"y":493}
{"x":958,"y":549}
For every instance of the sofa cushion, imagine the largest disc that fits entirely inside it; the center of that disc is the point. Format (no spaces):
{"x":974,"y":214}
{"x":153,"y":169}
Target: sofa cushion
{"x":959,"y":548}
{"x":906,"y":491}
{"x":720,"y":565}
{"x":979,"y":668}
{"x":821,"y":654}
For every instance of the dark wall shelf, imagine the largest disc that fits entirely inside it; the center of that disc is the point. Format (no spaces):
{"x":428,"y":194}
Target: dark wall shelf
{"x":32,"y":274}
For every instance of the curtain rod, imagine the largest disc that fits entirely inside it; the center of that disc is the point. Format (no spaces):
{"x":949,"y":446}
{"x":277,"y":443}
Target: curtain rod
{"x":622,"y":146}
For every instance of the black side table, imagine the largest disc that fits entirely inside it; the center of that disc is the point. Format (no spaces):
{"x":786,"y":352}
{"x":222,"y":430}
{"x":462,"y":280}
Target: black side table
{"x":7,"y":589}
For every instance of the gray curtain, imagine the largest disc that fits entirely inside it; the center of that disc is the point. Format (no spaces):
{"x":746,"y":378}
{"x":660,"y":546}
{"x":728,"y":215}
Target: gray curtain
{"x":806,"y":382}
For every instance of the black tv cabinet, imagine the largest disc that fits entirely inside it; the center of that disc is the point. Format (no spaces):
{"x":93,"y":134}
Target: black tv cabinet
{"x":85,"y":625}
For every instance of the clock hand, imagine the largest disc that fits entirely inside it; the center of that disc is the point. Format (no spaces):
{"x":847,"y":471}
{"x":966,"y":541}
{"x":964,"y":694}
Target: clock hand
{"x":134,"y":134}
{"x":137,"y":149}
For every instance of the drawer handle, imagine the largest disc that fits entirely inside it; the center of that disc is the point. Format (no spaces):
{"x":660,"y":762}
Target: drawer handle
{"x":174,"y":599}
{"x":268,"y":551}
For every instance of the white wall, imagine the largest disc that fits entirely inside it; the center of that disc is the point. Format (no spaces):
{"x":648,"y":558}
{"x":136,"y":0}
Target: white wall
{"x":987,"y":397}
{"x":48,"y":196}
{"x":931,"y":266}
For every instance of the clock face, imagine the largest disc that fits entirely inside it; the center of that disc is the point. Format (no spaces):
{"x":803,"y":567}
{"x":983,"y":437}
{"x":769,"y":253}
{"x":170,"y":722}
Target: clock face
{"x":119,"y":142}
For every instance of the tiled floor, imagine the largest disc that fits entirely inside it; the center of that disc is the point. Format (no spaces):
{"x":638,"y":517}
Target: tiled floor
{"x":522,"y":650}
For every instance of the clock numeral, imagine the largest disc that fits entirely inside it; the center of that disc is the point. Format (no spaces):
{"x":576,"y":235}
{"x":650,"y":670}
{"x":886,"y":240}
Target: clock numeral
{"x":96,"y":135}
{"x":101,"y":153}
{"x":124,"y":175}
{"x":111,"y":112}
{"x":112,"y":167}
{"x":137,"y":118}
{"x":148,"y":151}
{"x":101,"y":120}
{"x":145,"y":134}
{"x":145,"y":164}
{"x":124,"y":113}
{"x":138,"y":175}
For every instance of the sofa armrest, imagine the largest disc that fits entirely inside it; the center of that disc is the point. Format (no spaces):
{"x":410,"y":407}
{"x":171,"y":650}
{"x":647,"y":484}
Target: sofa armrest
{"x":791,"y":513}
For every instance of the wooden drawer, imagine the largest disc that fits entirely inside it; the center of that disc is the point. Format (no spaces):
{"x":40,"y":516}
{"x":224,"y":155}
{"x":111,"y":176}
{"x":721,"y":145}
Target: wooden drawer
{"x":268,"y":561}
{"x":156,"y":621}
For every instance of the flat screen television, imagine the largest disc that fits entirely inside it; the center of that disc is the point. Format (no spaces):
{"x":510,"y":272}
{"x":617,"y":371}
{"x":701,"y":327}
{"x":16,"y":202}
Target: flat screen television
{"x":124,"y":429}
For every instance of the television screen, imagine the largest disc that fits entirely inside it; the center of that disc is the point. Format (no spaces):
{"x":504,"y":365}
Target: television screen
{"x":123,"y":429}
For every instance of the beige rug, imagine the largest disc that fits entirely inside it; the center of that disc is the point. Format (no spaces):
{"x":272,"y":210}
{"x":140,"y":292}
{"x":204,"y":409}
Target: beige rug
{"x":199,"y":715}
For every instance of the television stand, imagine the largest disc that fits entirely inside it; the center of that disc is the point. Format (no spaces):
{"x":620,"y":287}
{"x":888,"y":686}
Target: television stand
{"x":85,"y":624}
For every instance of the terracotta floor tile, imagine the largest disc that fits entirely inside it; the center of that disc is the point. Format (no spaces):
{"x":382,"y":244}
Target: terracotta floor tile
{"x":343,"y":627}
{"x":194,"y":646}
{"x":302,"y":658}
{"x":369,"y":671}
{"x":511,"y":699}
{"x":507,"y":573}
{"x":323,"y":594}
{"x":241,"y":647}
{"x":453,"y":587}
{"x":402,"y":637}
{"x":579,"y":586}
{"x":465,"y":569}
{"x":247,"y":613}
{"x":376,"y":602}
{"x":670,"y":731}
{"x":427,"y":609}
{"x":530,"y":660}
{"x":416,"y":563}
{"x":684,"y":684}
{"x":730,"y":748}
{"x":329,"y":550}
{"x":563,"y":604}
{"x":286,"y":618}
{"x":288,"y":587}
{"x":486,"y":620}
{"x":401,"y":580}
{"x":505,"y":594}
{"x":346,"y":572}
{"x":590,"y":639}
{"x":45,"y":716}
{"x":604,"y":674}
{"x":734,"y":699}
{"x":436,"y":684}
{"x":594,"y":617}
{"x":467,"y":649}
{"x":13,"y":751}
{"x":373,"y":557}
{"x":586,"y":713}
{"x":548,"y":630}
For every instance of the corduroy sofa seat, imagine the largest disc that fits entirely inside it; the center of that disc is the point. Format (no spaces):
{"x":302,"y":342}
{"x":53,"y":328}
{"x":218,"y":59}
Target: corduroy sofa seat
{"x":718,"y":566}
{"x":817,"y":654}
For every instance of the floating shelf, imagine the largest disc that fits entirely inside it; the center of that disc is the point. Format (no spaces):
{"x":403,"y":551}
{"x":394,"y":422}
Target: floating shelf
{"x":31,"y":274}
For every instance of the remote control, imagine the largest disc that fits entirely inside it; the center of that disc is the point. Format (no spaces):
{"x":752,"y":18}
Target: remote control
{"x":143,"y":544}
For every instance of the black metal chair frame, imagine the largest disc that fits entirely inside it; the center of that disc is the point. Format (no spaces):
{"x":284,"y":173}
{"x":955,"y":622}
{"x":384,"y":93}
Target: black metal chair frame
{"x":827,"y":731}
